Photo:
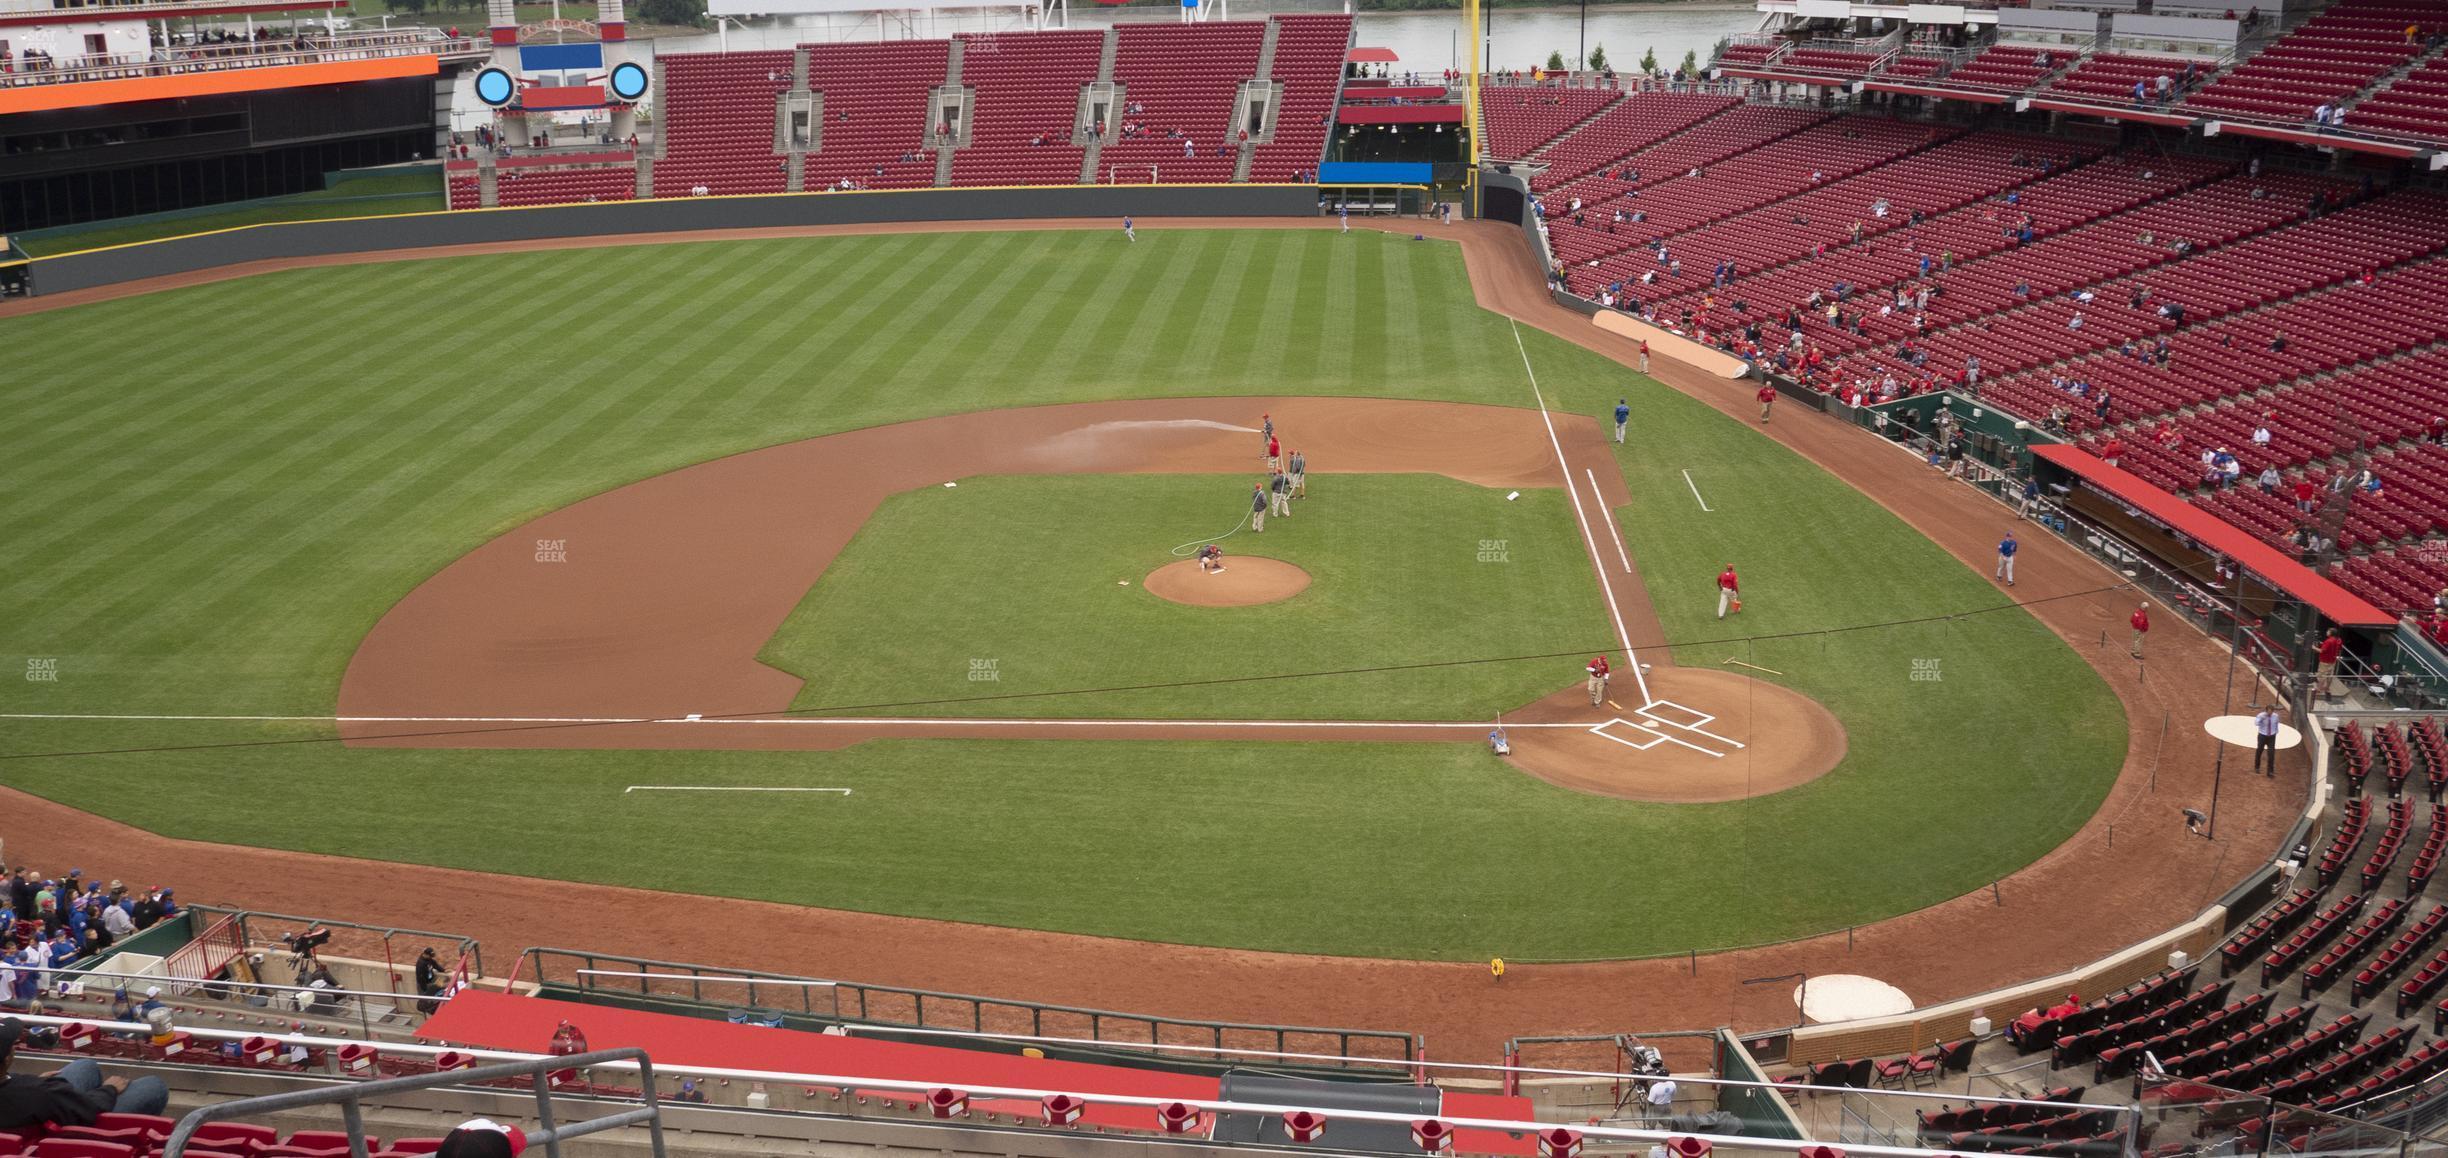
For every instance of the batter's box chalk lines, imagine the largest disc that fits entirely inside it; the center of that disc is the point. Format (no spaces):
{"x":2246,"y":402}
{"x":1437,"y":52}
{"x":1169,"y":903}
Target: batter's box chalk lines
{"x":1657,"y":737}
{"x":1694,"y":726}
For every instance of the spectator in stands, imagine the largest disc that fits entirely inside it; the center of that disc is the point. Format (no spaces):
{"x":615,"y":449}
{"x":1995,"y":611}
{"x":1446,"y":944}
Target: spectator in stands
{"x":116,"y":921}
{"x":2324,"y":675}
{"x":2261,"y":433}
{"x":148,"y":911}
{"x":2112,"y":450}
{"x":483,"y":1138}
{"x":429,"y":976}
{"x":2269,"y":479}
{"x":2278,"y":342}
{"x":73,"y":1095}
{"x":690,"y":1093}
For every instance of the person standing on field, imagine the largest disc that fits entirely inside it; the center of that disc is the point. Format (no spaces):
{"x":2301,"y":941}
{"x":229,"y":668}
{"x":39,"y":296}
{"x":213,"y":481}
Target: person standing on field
{"x":1767,"y":398}
{"x":2006,"y":553}
{"x":2141,"y":627}
{"x":1644,"y":355}
{"x":1128,"y":234}
{"x":1623,"y":416}
{"x":1281,"y":485}
{"x":1729,"y":590}
{"x":2265,"y":740}
{"x":2324,"y":677}
{"x":1300,"y":475}
{"x":1274,"y":453}
{"x":1597,"y":669}
{"x":1258,"y":504}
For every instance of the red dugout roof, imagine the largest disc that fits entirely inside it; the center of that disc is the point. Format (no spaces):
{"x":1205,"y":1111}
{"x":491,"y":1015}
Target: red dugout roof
{"x":2212,"y":533}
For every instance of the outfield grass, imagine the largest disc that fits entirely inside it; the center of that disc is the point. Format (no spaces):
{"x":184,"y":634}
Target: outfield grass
{"x":208,"y":524}
{"x":1395,"y":579}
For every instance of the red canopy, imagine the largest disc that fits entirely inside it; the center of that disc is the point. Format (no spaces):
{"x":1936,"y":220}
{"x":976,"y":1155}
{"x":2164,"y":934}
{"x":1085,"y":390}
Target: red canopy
{"x":2212,"y":533}
{"x":1372,"y":56}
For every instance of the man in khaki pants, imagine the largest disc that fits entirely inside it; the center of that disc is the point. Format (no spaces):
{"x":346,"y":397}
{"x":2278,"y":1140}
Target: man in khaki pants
{"x":1281,"y":485}
{"x":1258,"y":504}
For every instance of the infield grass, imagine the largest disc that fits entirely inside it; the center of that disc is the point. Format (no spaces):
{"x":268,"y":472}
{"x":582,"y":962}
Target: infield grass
{"x":1039,"y":578}
{"x":208,"y":521}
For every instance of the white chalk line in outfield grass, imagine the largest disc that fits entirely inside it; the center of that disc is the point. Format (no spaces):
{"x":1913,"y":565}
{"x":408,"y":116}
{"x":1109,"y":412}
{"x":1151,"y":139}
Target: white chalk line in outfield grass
{"x":720,"y":788}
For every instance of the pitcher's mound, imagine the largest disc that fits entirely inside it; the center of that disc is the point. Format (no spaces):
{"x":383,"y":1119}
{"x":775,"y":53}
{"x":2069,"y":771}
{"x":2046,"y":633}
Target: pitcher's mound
{"x":1244,"y":581}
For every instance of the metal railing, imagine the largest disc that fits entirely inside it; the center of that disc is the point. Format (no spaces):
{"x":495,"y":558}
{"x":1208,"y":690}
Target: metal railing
{"x":352,"y":1097}
{"x":18,"y":71}
{"x":639,"y":980}
{"x":252,"y":932}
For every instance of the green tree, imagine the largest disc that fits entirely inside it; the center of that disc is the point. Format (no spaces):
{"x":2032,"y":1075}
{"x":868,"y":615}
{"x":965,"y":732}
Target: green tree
{"x":1598,"y":60}
{"x":1649,"y":59}
{"x":1691,"y":63}
{"x":411,"y":7}
{"x":676,"y":12}
{"x":1555,"y":62}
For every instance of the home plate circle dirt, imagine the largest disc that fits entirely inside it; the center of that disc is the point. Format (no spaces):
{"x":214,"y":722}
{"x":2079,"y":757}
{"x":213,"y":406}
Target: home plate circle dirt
{"x":1763,"y":738}
{"x":1245,"y":581}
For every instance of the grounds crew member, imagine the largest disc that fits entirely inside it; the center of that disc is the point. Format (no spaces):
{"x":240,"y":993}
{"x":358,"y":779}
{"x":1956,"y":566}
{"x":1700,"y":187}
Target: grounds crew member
{"x":1729,"y":591}
{"x":1258,"y":504}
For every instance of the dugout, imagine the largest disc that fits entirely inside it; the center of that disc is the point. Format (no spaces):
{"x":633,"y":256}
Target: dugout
{"x":2187,"y":559}
{"x":1326,"y":1097}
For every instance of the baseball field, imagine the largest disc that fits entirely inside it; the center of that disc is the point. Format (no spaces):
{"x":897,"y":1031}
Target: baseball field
{"x":482,"y":505}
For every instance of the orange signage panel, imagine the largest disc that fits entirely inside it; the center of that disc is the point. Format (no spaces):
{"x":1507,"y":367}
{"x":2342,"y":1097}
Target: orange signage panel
{"x":38,"y":97}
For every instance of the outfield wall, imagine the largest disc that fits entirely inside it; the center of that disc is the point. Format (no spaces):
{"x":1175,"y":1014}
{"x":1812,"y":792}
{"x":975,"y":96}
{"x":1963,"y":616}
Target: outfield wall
{"x":287,"y":241}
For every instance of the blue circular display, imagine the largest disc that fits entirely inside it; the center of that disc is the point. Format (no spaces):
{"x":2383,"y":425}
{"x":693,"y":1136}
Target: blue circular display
{"x":628,"y":81}
{"x":494,"y":87}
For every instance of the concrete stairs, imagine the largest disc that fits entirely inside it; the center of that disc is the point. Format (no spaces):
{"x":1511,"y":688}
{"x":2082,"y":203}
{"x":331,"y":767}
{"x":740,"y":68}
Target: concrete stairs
{"x":1264,"y":76}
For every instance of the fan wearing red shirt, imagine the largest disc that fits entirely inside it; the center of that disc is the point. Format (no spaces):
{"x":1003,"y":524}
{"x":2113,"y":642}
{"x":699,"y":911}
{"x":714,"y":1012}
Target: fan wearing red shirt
{"x":2114,"y":450}
{"x":2141,"y":627}
{"x":2325,"y":676}
{"x":1729,"y":591}
{"x":1597,"y":670}
{"x":1767,"y":397}
{"x":2307,"y":496}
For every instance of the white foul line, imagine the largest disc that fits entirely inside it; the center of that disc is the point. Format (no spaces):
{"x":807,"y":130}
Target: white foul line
{"x":1695,"y":489}
{"x":718,"y":788}
{"x":1620,"y":557}
{"x":1588,"y":540}
{"x":856,"y":721}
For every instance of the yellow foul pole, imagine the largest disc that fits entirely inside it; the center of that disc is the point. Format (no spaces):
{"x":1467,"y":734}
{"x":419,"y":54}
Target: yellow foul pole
{"x":1470,"y":119}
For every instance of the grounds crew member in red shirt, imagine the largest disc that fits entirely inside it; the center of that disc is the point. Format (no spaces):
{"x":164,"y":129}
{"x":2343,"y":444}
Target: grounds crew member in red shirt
{"x":2141,"y":627}
{"x":1644,"y":355}
{"x":2324,"y":682}
{"x":1767,"y":398}
{"x":1597,"y":679}
{"x":1274,"y":453}
{"x":1729,"y":590}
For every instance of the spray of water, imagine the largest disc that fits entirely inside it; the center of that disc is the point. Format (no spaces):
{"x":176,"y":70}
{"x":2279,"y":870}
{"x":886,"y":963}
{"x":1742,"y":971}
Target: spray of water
{"x":1161,"y":424}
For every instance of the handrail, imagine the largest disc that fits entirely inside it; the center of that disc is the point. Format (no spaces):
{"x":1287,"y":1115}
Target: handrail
{"x":850,"y":1001}
{"x":265,"y":54}
{"x":352,"y":1097}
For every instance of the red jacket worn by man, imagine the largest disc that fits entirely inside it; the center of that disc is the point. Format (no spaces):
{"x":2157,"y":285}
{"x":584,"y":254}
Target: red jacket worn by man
{"x":2141,"y":627}
{"x":1729,"y":590}
{"x":1597,"y":670}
